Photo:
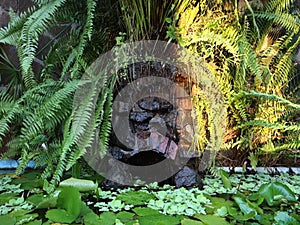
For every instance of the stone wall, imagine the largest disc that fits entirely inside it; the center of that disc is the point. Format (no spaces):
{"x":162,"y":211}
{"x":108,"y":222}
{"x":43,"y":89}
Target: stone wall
{"x":17,"y":6}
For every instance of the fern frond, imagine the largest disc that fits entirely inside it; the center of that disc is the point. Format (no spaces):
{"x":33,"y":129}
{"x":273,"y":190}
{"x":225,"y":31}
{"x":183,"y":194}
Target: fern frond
{"x":37,"y":23}
{"x":271,"y":97}
{"x":228,"y":39}
{"x":284,"y":19}
{"x":106,"y":120}
{"x":248,"y":61}
{"x":84,"y":37}
{"x":9,"y":110}
{"x":101,"y":119}
{"x":295,"y":144}
{"x":279,"y":5}
{"x":11,"y":33}
{"x":285,"y":65}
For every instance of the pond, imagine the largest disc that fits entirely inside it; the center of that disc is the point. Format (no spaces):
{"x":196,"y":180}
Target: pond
{"x":222,"y":199}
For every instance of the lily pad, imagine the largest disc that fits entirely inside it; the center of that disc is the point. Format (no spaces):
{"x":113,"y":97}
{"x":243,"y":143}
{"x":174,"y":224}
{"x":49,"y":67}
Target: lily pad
{"x":211,"y":219}
{"x":135,"y":197}
{"x":91,"y":219}
{"x":186,"y":221}
{"x":160,"y":219}
{"x":275,"y":192}
{"x":107,"y":218}
{"x":7,"y":220}
{"x":144,"y":211}
{"x":60,"y":215}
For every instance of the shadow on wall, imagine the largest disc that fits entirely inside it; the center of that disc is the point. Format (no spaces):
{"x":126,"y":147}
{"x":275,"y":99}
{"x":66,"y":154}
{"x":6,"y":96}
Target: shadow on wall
{"x":17,"y":6}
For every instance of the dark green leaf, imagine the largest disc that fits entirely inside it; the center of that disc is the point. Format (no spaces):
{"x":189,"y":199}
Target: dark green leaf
{"x":5,"y":197}
{"x":36,"y":199}
{"x":160,"y":219}
{"x":107,"y":218}
{"x":211,"y":219}
{"x":7,"y":220}
{"x":245,"y":217}
{"x":29,"y":181}
{"x":125,"y":215}
{"x":47,"y":203}
{"x":217,"y":203}
{"x":145,"y":211}
{"x":225,"y":179}
{"x":70,"y":200}
{"x":275,"y":192}
{"x":186,"y":221}
{"x":91,"y":219}
{"x":60,"y":215}
{"x":244,"y":206}
{"x":135,"y":197}
{"x":36,"y":222}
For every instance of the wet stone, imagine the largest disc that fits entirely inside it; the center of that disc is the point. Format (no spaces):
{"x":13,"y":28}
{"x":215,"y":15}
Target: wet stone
{"x":163,"y":145}
{"x":158,"y":142}
{"x":151,"y":104}
{"x":164,"y":105}
{"x":170,"y":118}
{"x":155,"y":104}
{"x":116,"y":152}
{"x":120,"y":174}
{"x":172,"y":151}
{"x":157,"y":124}
{"x":141,"y":116}
{"x":186,"y":177}
{"x":4,"y":17}
{"x":142,"y":126}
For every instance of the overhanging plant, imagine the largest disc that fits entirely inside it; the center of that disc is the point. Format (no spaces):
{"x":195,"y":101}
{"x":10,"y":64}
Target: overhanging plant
{"x":39,"y":120}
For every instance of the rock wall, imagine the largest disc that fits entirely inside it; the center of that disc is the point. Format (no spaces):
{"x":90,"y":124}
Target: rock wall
{"x":17,"y":6}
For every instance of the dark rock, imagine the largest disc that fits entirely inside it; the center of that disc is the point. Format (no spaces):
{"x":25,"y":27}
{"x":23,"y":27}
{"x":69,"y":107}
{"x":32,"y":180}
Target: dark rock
{"x":142,"y":126}
{"x":116,"y":152}
{"x":6,"y":4}
{"x":186,"y":177}
{"x":155,"y":104}
{"x":170,"y":118}
{"x":158,"y":124}
{"x":164,"y":105}
{"x":120,"y":175}
{"x":24,"y":5}
{"x":151,"y":104}
{"x":141,"y":116}
{"x":4,"y":17}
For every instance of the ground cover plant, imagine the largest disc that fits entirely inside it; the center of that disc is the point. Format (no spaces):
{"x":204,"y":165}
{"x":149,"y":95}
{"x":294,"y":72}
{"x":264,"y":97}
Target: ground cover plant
{"x":224,"y":199}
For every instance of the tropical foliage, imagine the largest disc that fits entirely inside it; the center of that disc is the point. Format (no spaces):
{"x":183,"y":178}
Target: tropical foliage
{"x":37,"y":119}
{"x":250,"y":48}
{"x":251,"y":51}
